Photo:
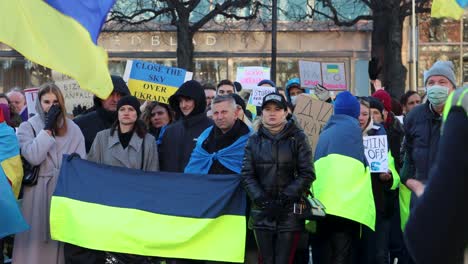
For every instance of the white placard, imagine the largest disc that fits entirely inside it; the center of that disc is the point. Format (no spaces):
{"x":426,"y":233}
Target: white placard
{"x":31,"y":97}
{"x":376,"y":149}
{"x":258,"y":92}
{"x":310,"y":73}
{"x":249,"y":77}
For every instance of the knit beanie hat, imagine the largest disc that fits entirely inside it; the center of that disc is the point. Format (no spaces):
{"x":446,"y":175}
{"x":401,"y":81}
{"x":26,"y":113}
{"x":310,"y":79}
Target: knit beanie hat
{"x":376,"y":104}
{"x":271,"y":83}
{"x":385,"y":98}
{"x":347,"y":104}
{"x":441,"y":68}
{"x":130,"y":100}
{"x":239,"y":101}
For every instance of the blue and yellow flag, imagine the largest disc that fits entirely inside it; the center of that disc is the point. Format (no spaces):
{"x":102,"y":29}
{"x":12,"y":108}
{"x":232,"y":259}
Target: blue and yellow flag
{"x":176,"y":215}
{"x":61,"y":35}
{"x":11,"y":220}
{"x":448,"y":8}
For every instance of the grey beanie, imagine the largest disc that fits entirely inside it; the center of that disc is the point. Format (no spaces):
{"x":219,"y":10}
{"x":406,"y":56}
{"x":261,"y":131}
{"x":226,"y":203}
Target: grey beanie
{"x":441,"y":68}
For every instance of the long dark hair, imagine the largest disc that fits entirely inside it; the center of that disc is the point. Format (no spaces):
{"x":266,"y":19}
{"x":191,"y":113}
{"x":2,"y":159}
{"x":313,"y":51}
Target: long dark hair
{"x":146,"y":115}
{"x":139,"y":128}
{"x":52,"y":88}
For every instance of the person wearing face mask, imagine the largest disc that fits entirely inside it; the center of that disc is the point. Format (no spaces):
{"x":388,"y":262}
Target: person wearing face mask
{"x":293,"y":89}
{"x":422,"y":124}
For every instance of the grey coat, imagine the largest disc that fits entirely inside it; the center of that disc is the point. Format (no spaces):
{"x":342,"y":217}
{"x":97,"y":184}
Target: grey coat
{"x":106,"y":149}
{"x":35,"y":245}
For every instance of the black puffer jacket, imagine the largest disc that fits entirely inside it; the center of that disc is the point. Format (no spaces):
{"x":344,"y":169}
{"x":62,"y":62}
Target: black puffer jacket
{"x":180,"y":137}
{"x":276,"y":165}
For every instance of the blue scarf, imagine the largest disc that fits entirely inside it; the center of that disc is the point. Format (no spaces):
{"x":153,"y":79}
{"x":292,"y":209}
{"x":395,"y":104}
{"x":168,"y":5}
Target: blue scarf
{"x":230,"y":157}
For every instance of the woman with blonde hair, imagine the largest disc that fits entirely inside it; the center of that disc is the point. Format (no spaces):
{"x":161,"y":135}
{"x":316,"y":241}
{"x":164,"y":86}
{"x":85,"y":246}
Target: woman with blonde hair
{"x":43,"y":140}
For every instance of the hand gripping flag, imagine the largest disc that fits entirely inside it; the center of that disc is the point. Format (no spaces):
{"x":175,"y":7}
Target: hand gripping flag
{"x":448,"y":8}
{"x":11,"y":220}
{"x":176,"y":215}
{"x":61,"y":35}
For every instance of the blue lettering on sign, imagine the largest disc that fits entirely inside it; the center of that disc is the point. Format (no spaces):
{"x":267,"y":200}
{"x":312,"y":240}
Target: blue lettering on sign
{"x":156,"y":73}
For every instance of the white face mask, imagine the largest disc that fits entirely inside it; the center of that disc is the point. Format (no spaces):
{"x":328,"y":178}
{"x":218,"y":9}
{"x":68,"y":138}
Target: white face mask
{"x":293,"y":100}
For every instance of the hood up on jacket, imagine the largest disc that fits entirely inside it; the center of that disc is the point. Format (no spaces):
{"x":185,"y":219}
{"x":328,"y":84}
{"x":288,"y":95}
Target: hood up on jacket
{"x":191,"y":89}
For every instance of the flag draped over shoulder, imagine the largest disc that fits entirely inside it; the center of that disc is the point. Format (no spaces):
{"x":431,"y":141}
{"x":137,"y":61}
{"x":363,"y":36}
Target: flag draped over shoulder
{"x":11,"y":220}
{"x":61,"y":35}
{"x":448,"y":8}
{"x":191,"y":216}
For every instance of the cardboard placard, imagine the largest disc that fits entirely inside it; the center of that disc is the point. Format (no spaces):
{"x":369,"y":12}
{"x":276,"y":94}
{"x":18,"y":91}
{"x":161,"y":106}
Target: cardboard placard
{"x":312,"y":115}
{"x":310,"y":73}
{"x":249,"y":77}
{"x":376,"y":149}
{"x":74,"y":95}
{"x":31,"y":97}
{"x":154,"y":82}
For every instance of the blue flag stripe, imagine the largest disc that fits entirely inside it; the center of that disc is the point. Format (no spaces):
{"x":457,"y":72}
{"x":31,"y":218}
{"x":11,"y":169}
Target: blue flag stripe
{"x":176,"y":194}
{"x":91,"y":14}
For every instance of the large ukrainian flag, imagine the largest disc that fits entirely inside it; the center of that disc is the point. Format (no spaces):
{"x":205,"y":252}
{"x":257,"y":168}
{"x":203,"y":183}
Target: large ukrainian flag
{"x":448,"y":8}
{"x":11,"y":219}
{"x":61,"y":35}
{"x":175,"y":215}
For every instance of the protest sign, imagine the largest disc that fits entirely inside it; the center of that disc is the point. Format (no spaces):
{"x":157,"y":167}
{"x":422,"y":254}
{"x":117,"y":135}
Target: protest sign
{"x":249,"y":77}
{"x":376,"y":148}
{"x":310,"y":73}
{"x":334,"y":75}
{"x":256,"y":97}
{"x":31,"y":97}
{"x":154,"y":82}
{"x":74,"y":95}
{"x":312,"y":115}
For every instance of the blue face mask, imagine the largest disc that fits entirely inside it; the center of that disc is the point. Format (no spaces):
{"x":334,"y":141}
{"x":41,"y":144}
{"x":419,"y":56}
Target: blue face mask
{"x":437,"y":94}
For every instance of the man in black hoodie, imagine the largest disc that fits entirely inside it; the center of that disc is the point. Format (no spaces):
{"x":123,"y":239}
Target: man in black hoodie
{"x":104,"y":113}
{"x":180,"y":137}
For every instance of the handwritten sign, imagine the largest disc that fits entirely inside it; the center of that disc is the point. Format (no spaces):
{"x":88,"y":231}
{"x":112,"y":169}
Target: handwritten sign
{"x":256,"y":97}
{"x":310,"y":73}
{"x":74,"y":95}
{"x":312,"y":115}
{"x":154,"y":82}
{"x":334,"y":75}
{"x":31,"y":97}
{"x":376,"y":148}
{"x":249,"y":77}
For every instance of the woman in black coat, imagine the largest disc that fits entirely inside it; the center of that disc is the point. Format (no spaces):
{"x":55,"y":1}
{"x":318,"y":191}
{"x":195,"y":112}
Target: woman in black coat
{"x":277,"y":171}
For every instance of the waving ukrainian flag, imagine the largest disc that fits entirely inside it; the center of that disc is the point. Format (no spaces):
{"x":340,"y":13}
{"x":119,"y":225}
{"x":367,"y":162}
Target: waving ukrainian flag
{"x":61,"y":35}
{"x":448,"y":8}
{"x":11,"y":220}
{"x":176,"y":215}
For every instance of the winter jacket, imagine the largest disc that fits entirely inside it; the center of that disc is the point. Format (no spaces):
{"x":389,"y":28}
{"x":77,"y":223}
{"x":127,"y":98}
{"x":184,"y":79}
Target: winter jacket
{"x":35,"y":246}
{"x":343,"y":181}
{"x":275,"y":166}
{"x":437,"y":231}
{"x":93,"y":122}
{"x":395,"y":134}
{"x":381,"y":190}
{"x":180,"y":137}
{"x":108,"y":150}
{"x":99,"y":119}
{"x":422,"y":133}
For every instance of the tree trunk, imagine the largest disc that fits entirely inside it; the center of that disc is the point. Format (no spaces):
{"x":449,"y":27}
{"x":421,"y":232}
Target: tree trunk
{"x":185,"y":47}
{"x":394,"y":73}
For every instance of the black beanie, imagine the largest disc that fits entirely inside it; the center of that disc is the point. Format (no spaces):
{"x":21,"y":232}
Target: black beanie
{"x":376,"y":104}
{"x":130,"y":100}
{"x":239,"y":101}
